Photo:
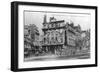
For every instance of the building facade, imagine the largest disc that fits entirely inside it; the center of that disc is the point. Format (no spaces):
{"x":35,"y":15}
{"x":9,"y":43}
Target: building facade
{"x":60,"y":35}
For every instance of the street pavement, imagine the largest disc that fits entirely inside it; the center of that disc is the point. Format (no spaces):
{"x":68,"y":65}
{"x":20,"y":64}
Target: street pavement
{"x":56,"y":57}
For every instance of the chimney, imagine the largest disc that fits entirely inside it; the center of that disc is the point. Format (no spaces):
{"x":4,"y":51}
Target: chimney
{"x":45,"y":19}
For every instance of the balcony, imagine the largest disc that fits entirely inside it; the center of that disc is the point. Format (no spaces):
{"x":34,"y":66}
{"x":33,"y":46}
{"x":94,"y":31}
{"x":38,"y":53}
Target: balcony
{"x":53,"y":28}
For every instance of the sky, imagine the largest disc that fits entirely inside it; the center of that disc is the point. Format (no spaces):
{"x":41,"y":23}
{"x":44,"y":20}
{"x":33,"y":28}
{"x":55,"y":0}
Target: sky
{"x":84,"y":20}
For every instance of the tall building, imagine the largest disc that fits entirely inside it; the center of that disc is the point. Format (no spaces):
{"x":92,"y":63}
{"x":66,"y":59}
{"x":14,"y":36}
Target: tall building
{"x":53,"y":34}
{"x":59,"y":35}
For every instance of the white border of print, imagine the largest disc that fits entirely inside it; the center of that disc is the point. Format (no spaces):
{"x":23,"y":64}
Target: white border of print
{"x":22,"y":64}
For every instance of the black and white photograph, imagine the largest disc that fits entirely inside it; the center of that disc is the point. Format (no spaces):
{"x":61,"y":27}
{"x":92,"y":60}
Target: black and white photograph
{"x":56,"y":36}
{"x":53,"y":36}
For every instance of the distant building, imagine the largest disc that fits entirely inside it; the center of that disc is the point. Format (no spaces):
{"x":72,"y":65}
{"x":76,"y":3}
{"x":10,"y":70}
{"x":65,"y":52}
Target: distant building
{"x":86,"y":39}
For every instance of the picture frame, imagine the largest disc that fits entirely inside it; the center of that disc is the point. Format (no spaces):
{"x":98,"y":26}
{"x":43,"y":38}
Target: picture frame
{"x":76,"y":28}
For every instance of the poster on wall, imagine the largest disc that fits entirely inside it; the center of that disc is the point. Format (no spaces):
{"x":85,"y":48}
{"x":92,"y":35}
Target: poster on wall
{"x":52,"y":36}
